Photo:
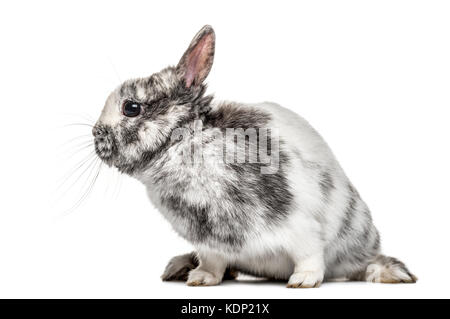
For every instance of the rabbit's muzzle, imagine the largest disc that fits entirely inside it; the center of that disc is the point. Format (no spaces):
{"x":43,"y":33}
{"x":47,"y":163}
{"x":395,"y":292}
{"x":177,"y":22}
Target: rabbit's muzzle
{"x":104,"y":142}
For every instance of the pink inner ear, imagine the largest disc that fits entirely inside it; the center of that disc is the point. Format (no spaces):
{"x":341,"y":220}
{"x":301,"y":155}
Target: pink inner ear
{"x":197,"y":61}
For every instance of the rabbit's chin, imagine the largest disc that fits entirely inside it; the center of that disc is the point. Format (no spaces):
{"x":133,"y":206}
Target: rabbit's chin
{"x":112,"y":160}
{"x":106,"y":157}
{"x":128,"y":166}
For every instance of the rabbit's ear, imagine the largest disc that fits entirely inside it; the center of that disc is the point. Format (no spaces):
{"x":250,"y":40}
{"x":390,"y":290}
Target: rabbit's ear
{"x":197,"y":61}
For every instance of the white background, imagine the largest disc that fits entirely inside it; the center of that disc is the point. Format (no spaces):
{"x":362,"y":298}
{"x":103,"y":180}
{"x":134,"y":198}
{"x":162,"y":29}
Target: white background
{"x":372,"y":76}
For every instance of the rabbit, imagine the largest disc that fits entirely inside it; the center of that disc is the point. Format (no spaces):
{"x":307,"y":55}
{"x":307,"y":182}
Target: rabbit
{"x":290,"y":215}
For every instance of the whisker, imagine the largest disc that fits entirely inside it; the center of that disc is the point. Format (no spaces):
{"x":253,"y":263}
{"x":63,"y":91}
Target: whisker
{"x":78,"y":124}
{"x":85,"y":172}
{"x":91,"y":166}
{"x":119,"y":187}
{"x":118,"y":184}
{"x":84,"y":143}
{"x":76,"y":205}
{"x":78,"y":149}
{"x":108,"y":184}
{"x":84,"y":136}
{"x":89,"y":189}
{"x":87,"y":117}
{"x":77,"y":145}
{"x":65,"y":178}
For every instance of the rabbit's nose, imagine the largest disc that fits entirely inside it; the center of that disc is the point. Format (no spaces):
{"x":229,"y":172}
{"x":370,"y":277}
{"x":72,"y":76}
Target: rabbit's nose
{"x":99,"y":131}
{"x":95,"y":131}
{"x":103,"y":141}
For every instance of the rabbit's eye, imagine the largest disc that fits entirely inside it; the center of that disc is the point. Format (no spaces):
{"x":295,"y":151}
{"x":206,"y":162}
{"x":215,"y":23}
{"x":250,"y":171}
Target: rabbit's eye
{"x":131,"y":109}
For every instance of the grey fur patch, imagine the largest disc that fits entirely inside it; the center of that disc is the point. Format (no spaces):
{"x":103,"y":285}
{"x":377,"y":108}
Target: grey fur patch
{"x":178,"y":268}
{"x":271,"y":189}
{"x":202,"y":227}
{"x":376,"y":242}
{"x":231,"y":115}
{"x":350,"y":212}
{"x":326,"y":184}
{"x":357,"y":246}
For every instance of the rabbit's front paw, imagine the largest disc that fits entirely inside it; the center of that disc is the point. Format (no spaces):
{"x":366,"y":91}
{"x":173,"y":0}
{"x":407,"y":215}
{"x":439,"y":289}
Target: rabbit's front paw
{"x":305,"y":279}
{"x":199,"y":277}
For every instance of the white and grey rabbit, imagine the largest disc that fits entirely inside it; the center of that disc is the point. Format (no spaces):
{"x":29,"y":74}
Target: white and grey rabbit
{"x":300,"y":220}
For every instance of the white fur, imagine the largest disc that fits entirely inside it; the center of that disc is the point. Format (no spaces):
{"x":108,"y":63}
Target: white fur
{"x":111,"y":114}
